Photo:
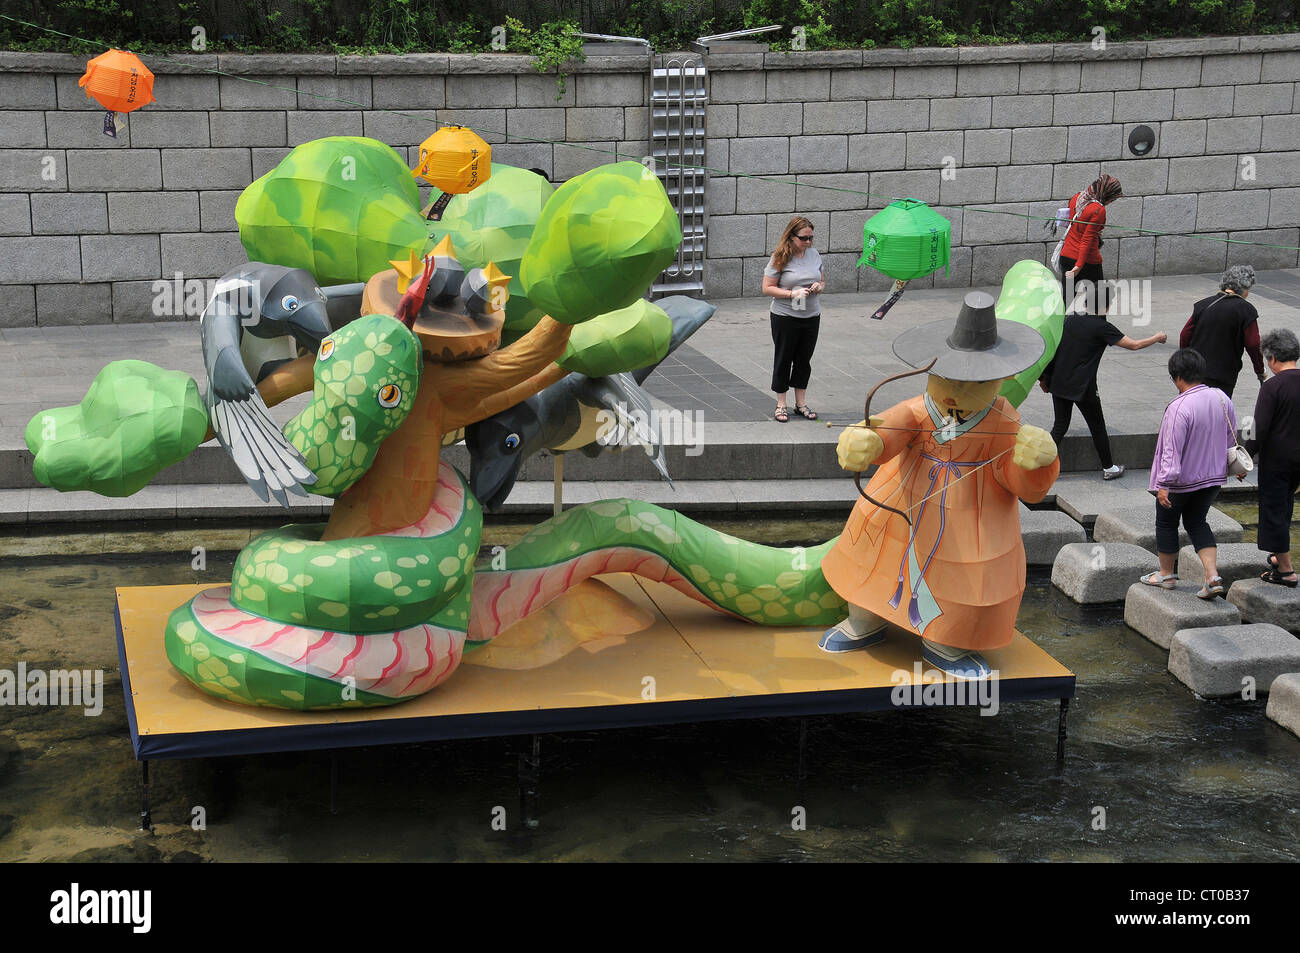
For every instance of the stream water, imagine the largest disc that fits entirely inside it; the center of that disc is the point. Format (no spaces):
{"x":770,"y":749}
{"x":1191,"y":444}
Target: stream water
{"x":1152,"y":772}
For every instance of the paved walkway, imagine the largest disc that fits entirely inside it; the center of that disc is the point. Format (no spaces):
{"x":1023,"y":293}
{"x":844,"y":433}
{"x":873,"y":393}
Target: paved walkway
{"x":722,"y":373}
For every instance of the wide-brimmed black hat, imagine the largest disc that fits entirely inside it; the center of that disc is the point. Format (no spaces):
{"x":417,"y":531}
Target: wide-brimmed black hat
{"x":978,"y":348}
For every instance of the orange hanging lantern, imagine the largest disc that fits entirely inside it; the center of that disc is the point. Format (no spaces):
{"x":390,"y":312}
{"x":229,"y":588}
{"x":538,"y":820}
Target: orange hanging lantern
{"x":119,"y":82}
{"x":454,"y":160}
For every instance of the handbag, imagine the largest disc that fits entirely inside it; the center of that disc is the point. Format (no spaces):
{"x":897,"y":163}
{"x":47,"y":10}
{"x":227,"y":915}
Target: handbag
{"x":1063,"y":215}
{"x":1239,"y":462}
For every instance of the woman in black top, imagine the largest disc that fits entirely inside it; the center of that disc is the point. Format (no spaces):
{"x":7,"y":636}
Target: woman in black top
{"x":1275,"y":436}
{"x":1224,"y":325}
{"x":1071,"y":378}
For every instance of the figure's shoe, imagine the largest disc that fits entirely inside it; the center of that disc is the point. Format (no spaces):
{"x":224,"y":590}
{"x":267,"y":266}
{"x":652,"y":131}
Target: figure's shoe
{"x":1113,"y":472}
{"x":961,"y":664}
{"x":841,"y":638}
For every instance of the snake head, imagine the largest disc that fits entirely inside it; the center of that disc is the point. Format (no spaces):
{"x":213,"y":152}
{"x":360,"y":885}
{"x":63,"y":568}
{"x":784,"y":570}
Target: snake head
{"x":366,"y":377}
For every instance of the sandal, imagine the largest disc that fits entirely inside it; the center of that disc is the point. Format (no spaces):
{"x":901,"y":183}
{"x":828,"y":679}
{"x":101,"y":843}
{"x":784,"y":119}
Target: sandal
{"x":781,"y":415}
{"x":1211,"y":589}
{"x":1164,"y":582}
{"x":803,"y":411}
{"x":1272,"y":561}
{"x":1279,"y":579}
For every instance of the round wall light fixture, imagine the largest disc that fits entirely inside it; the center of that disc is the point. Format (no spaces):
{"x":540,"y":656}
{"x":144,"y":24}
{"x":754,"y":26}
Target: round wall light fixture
{"x":1141,"y":141}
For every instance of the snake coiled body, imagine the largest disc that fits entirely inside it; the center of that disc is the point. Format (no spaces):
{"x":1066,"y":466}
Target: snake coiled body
{"x":346,"y":623}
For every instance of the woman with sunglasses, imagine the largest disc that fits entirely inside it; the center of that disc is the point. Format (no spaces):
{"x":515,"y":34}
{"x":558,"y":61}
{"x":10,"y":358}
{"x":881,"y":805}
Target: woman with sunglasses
{"x":794,"y":280}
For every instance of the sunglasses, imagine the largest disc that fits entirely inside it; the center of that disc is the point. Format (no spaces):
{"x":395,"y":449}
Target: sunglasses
{"x":804,"y":238}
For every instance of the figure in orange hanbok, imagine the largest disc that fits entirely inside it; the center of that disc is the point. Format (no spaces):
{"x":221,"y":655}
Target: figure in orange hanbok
{"x":937,"y":550}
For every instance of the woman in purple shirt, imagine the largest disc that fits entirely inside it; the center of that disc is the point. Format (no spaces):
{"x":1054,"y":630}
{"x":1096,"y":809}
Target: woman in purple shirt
{"x":1189,"y":468}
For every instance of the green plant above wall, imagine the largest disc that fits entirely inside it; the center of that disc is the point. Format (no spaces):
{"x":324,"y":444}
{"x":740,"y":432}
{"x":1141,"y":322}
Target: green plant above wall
{"x":551,"y":46}
{"x":542,"y":28}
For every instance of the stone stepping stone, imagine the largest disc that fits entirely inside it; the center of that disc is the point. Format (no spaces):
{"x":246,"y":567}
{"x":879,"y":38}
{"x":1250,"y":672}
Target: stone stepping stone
{"x":1083,"y":500}
{"x":1215,"y":662}
{"x":1045,"y":532}
{"x":1284,"y":702}
{"x":1159,"y":613}
{"x":1236,"y":561}
{"x":1261,"y":601}
{"x":1137,"y":525}
{"x":1091,"y":573}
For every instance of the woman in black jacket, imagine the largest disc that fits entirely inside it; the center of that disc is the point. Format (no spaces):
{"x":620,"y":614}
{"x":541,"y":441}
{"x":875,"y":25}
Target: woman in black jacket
{"x":1275,"y":436}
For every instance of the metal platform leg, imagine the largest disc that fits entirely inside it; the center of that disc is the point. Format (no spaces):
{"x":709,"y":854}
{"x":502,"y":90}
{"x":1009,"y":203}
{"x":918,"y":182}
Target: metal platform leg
{"x":334,"y":784}
{"x":1060,"y":733}
{"x":803,"y":749}
{"x":529,"y":782}
{"x":146,"y":816}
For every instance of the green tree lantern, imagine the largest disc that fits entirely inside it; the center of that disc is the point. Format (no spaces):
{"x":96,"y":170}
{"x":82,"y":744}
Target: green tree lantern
{"x":904,"y":240}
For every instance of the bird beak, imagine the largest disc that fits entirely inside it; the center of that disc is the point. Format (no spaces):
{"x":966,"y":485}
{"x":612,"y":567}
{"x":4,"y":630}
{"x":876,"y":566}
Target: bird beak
{"x":311,"y":324}
{"x":492,"y":480}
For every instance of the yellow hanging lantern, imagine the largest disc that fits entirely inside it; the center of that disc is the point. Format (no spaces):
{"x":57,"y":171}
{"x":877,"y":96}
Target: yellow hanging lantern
{"x":454,"y":160}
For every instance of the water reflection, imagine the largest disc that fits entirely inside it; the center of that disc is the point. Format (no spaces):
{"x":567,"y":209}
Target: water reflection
{"x":1179,"y":778}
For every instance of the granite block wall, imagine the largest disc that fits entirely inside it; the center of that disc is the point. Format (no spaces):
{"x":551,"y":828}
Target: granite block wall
{"x":89,"y":223}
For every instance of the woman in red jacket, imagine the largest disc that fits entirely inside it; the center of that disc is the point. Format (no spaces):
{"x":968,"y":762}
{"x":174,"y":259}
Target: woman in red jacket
{"x":1081,"y":253}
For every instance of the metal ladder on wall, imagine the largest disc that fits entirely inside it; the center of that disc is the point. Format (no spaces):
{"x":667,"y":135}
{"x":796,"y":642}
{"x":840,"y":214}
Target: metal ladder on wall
{"x":678,"y":100}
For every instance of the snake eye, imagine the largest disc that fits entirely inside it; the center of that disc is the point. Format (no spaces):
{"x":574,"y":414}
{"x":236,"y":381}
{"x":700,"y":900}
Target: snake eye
{"x":390,"y":395}
{"x":512,"y":441}
{"x":326,"y":349}
{"x":289,"y":303}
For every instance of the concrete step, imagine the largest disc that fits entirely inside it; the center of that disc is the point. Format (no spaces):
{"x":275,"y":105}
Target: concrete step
{"x":217,"y":501}
{"x":1235,"y":561}
{"x":1221,"y":661}
{"x":1284,"y":702}
{"x":1085,"y":494}
{"x":1158,"y":613}
{"x":1045,"y":532}
{"x":1261,"y":601}
{"x":1093,"y":573}
{"x":727,"y":450}
{"x":1137,"y":525}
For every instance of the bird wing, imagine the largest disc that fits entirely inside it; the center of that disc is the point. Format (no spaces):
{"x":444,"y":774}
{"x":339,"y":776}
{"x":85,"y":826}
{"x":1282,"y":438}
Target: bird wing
{"x":270,"y":465}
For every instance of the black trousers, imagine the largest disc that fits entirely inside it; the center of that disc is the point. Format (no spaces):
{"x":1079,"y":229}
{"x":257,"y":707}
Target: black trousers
{"x":1192,"y":507}
{"x":1225,"y":386}
{"x":1094,"y":295}
{"x":1277,"y":488}
{"x":795,"y":340}
{"x":1090,"y":407}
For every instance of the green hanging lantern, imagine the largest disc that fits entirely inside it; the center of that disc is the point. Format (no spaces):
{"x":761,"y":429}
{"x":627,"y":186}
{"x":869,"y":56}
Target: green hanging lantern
{"x":905,"y":240}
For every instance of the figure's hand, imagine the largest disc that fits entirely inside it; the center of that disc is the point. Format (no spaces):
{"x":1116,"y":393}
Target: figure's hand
{"x":1162,"y":497}
{"x":1161,"y":338}
{"x":859,"y":447}
{"x":798,"y":298}
{"x":1034,"y":448}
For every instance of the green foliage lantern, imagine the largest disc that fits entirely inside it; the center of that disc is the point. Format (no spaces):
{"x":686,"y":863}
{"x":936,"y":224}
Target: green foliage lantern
{"x":342,"y":208}
{"x":135,"y":420}
{"x":494,"y":223}
{"x":618,"y":341}
{"x":1031,"y":295}
{"x":905,"y":240}
{"x":601,"y":240}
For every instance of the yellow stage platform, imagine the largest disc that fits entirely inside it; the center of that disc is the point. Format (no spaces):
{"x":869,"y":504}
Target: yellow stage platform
{"x":614,"y":653}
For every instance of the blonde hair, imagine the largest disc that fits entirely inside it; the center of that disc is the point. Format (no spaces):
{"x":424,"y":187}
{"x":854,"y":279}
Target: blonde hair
{"x":786,"y":247}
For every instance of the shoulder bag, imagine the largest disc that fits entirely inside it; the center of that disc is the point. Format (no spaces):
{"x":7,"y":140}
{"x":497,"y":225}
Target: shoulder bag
{"x":1239,"y":462}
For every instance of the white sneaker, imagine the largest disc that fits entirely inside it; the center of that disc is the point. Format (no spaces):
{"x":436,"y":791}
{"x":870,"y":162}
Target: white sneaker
{"x":1112,"y":473}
